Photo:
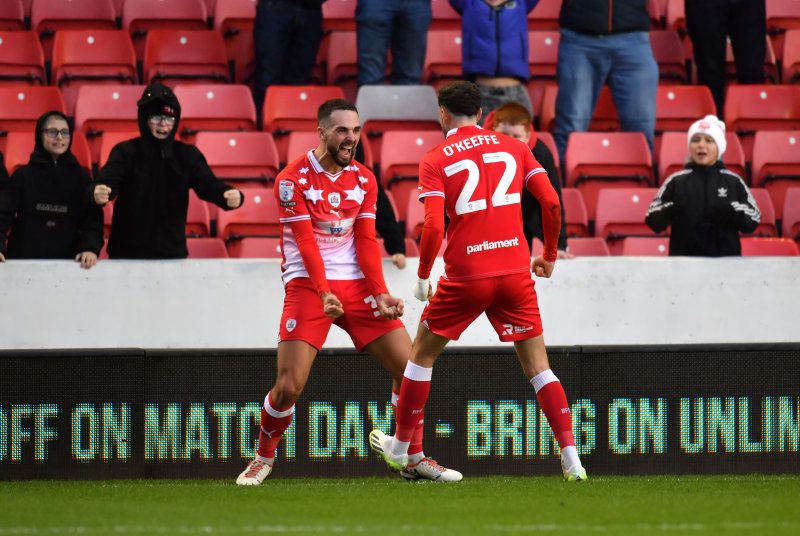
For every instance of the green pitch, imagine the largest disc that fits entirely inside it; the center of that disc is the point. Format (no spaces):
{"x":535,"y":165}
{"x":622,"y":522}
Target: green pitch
{"x":382,"y":506}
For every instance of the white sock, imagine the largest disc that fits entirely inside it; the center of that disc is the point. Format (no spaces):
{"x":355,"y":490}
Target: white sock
{"x":398,"y":448}
{"x":571,"y":458}
{"x":414,"y":459}
{"x":268,"y":461}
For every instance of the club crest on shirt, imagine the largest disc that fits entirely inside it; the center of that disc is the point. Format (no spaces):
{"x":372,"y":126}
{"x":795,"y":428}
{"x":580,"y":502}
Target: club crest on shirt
{"x":286,"y":190}
{"x":291,"y":324}
{"x":335,"y":199}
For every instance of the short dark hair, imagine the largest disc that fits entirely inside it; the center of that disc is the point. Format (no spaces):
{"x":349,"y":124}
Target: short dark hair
{"x":460,"y":98}
{"x":327,"y":108}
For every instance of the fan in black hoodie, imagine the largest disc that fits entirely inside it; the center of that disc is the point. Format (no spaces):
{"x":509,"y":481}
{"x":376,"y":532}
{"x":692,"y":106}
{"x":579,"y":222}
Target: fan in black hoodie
{"x":44,"y":206}
{"x":149,"y":178}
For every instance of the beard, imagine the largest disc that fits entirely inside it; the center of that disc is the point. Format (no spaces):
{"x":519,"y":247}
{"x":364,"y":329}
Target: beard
{"x":333,"y":150}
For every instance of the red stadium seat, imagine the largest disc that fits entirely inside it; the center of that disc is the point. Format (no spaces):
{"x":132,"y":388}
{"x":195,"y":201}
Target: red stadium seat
{"x":444,"y":16}
{"x":768,"y":226}
{"x":141,"y":16}
{"x":234,"y":20}
{"x":20,"y":145}
{"x":100,"y":109}
{"x":548,"y":140}
{"x":251,"y":247}
{"x":12,"y":15}
{"x":401,"y":152}
{"x":242,"y":159}
{"x":782,"y":15}
{"x":677,"y":107}
{"x":21,"y":59}
{"x":442,"y":57}
{"x":589,"y":246}
{"x":670,"y":56}
{"x":414,"y":216}
{"x":674,"y":151}
{"x":791,"y":214}
{"x":770,"y":65}
{"x":21,"y":106}
{"x":542,"y":60}
{"x":82,"y":57}
{"x":108,"y":140}
{"x":341,"y":62}
{"x":215,"y":107}
{"x":575,"y":213}
{"x":645,"y":246}
{"x":676,"y":16}
{"x":185,"y":56}
{"x":597,"y":160}
{"x":545,"y":15}
{"x":749,"y":108}
{"x":621,"y":213}
{"x":198,"y":217}
{"x":48,"y":16}
{"x":206,"y":248}
{"x":299,"y":143}
{"x":339,"y":15}
{"x":604,"y":118}
{"x":257,"y":217}
{"x":776,"y":163}
{"x":769,"y":247}
{"x":791,"y":57}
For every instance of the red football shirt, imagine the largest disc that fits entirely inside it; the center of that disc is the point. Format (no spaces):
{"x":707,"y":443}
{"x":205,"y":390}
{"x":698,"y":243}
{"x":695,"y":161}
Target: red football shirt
{"x":480,"y":174}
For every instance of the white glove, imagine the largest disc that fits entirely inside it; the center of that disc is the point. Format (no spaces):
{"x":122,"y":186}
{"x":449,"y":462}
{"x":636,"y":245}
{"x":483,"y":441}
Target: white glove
{"x":422,"y":289}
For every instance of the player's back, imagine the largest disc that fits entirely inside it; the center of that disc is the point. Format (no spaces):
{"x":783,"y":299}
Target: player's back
{"x":480,"y":174}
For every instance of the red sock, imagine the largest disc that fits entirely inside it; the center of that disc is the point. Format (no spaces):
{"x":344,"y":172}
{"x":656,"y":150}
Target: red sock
{"x":274,"y":421}
{"x":553,"y":401}
{"x":411,"y":404}
{"x":416,"y":439}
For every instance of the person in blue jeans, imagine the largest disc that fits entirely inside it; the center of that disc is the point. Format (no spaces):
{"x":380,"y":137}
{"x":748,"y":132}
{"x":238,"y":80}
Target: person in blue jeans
{"x":286,"y":35}
{"x":605,"y":44}
{"x":401,"y":25}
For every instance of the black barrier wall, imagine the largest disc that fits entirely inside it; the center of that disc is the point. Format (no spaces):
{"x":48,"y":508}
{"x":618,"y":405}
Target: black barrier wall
{"x":135,"y":413}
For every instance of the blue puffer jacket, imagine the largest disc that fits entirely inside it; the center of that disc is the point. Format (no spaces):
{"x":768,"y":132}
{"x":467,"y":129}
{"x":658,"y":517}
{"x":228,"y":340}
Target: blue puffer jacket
{"x":603,"y":17}
{"x":495,"y":39}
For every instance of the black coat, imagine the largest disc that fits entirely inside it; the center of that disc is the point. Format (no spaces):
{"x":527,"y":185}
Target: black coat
{"x":707,"y":207}
{"x":46,"y":209}
{"x":602,"y":17}
{"x":532,"y":211}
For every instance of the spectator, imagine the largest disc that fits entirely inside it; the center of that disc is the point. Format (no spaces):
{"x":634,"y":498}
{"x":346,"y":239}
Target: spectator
{"x":512,"y":119}
{"x":45,"y":206}
{"x":286,"y":35}
{"x":605,"y":41}
{"x":709,"y":24}
{"x":495,"y":49}
{"x":150,"y":177}
{"x":401,"y":25}
{"x":706,"y":205}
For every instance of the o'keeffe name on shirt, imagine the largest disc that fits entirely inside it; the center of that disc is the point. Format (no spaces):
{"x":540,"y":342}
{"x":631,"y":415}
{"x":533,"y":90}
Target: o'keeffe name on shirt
{"x":470,"y":143}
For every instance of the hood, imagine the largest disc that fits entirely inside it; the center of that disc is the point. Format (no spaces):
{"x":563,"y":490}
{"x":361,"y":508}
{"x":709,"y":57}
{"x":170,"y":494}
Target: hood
{"x":39,"y":154}
{"x":155,"y":100}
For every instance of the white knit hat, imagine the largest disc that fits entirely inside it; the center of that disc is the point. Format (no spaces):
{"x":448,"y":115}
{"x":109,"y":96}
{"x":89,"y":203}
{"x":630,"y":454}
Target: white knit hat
{"x":713,"y":127}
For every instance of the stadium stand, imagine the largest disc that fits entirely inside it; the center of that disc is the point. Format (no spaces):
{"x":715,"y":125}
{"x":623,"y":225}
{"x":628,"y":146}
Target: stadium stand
{"x":206,"y":248}
{"x":21,"y":106}
{"x":542,"y":60}
{"x":545,"y":15}
{"x":782,"y":16}
{"x":749,"y":108}
{"x":256,"y":248}
{"x":226,"y":107}
{"x":198,"y":217}
{"x":604,"y":118}
{"x":645,"y":246}
{"x":768,"y":226}
{"x":101,"y":109}
{"x":299,"y":143}
{"x":444,"y":17}
{"x":769,"y":247}
{"x":185,"y":56}
{"x":588,"y":246}
{"x":414,"y":215}
{"x":673,"y":152}
{"x":548,"y":140}
{"x":677,"y":106}
{"x":257,"y":217}
{"x":412,"y":250}
{"x":49,"y":16}
{"x":776,"y":163}
{"x":575,"y":213}
{"x":791,"y":57}
{"x":12,"y":15}
{"x":234,"y":20}
{"x":141,"y":16}
{"x":20,"y":145}
{"x":442,"y":57}
{"x":339,"y":15}
{"x":401,"y":152}
{"x":670,"y":56}
{"x":791,"y":214}
{"x":107,"y":141}
{"x":21,"y":59}
{"x":621,"y":213}
{"x":341,"y":66}
{"x":241,"y":159}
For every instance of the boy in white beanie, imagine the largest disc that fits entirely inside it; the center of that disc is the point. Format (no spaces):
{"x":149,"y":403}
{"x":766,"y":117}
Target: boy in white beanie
{"x":705,"y":204}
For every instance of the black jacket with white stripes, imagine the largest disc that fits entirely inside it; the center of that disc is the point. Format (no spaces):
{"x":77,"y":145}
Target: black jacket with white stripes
{"x":707,"y":207}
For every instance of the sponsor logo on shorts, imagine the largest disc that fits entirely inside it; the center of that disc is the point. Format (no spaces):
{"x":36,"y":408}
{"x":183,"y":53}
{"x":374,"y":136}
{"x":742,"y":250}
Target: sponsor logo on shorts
{"x":291,"y":324}
{"x":286,"y":190}
{"x":497,"y":244}
{"x":511,"y":329}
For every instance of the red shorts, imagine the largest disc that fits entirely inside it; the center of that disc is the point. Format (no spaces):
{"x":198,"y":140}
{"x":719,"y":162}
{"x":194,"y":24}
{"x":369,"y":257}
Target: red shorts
{"x":303,"y":318}
{"x":509,"y":302}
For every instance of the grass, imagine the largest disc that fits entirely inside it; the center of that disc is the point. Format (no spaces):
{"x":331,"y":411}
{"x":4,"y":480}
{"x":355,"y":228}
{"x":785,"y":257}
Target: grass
{"x":486,"y":505}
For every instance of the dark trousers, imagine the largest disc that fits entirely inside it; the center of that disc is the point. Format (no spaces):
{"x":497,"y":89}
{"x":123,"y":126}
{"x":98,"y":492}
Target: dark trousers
{"x":709,"y":23}
{"x":286,"y":38}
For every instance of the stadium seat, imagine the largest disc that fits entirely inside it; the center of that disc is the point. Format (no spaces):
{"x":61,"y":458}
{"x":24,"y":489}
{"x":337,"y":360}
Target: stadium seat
{"x":341,"y":63}
{"x":20,"y":145}
{"x":242,"y":159}
{"x":82,"y":57}
{"x":385,"y":108}
{"x":442,"y":57}
{"x":401,"y":152}
{"x":141,"y":16}
{"x":545,"y":15}
{"x":782,"y":15}
{"x":444,"y":17}
{"x":676,"y":16}
{"x":749,"y":108}
{"x":299,"y":143}
{"x":542,"y":60}
{"x":21,"y":106}
{"x":206,"y":248}
{"x":48,"y":16}
{"x":769,"y":247}
{"x":106,"y":142}
{"x":597,"y":160}
{"x":604,"y":118}
{"x":674,"y":150}
{"x":791,"y":57}
{"x":414,"y":215}
{"x":791,"y":214}
{"x":185,"y":56}
{"x":198,"y":217}
{"x":548,"y":140}
{"x":257,"y":217}
{"x":621,"y":213}
{"x":251,"y":247}
{"x":776,"y":163}
{"x":12,"y":15}
{"x":215,"y":107}
{"x":234,"y":20}
{"x":678,"y":106}
{"x":100,"y":109}
{"x":339,"y":15}
{"x":575,"y":213}
{"x":645,"y":246}
{"x":108,"y":218}
{"x":21,"y":59}
{"x":412,"y":250}
{"x":670,"y":56}
{"x":768,"y":226}
{"x":589,"y":246}
{"x":771,"y":75}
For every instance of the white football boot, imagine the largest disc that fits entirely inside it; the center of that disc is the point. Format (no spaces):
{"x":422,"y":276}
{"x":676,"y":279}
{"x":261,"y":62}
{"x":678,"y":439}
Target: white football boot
{"x":575,"y":473}
{"x":381,"y":443}
{"x":429,"y":469}
{"x":254,"y":474}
